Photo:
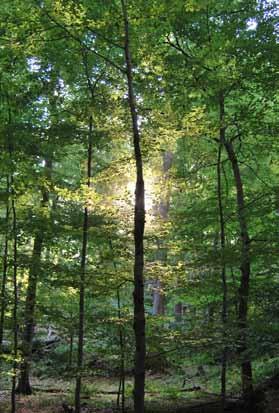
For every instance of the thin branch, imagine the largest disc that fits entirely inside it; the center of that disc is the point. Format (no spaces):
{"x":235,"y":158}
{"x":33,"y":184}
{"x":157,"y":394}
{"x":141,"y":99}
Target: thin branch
{"x":179,"y":48}
{"x":91,"y":86}
{"x":83,"y":45}
{"x":255,"y":173}
{"x":249,"y":204}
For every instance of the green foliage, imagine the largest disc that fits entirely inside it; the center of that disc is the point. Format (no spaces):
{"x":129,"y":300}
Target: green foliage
{"x":185,"y":54}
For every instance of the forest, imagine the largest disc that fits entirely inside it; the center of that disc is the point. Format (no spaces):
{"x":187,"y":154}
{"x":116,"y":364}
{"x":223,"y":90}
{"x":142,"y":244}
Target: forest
{"x":139,"y":206}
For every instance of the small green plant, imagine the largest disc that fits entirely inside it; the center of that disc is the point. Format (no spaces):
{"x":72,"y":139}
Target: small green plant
{"x":266,"y":368}
{"x":172,"y":393}
{"x":89,"y":389}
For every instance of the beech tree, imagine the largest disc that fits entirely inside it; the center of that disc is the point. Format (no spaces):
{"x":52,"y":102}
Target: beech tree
{"x":139,"y":216}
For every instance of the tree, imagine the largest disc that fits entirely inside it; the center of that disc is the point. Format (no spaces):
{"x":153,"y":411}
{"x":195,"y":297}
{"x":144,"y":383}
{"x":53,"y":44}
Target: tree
{"x":198,"y":80}
{"x":5,"y":269}
{"x":83,"y":254}
{"x":208,"y":72}
{"x":223,"y":269}
{"x":139,"y":314}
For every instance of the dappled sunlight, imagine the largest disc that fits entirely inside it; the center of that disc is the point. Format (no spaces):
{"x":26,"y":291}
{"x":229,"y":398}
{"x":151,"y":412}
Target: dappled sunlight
{"x":148,"y":193}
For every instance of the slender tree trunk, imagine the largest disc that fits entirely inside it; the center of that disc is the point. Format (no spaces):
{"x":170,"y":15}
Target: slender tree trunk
{"x":121,"y":391}
{"x":10,"y":186}
{"x":70,"y":362}
{"x":15,"y":294}
{"x":10,"y":145}
{"x":139,"y":221}
{"x":121,"y":387}
{"x":24,"y":386}
{"x":3,"y":298}
{"x":178,"y":312}
{"x":161,"y":211}
{"x":82,"y":275}
{"x":223,"y":271}
{"x":235,"y":299}
{"x":246,"y":367}
{"x":158,"y":299}
{"x":6,"y":242}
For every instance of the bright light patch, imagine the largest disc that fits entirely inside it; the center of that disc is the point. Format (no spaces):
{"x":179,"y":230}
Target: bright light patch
{"x":34,"y":64}
{"x":148,"y":192}
{"x":252,"y":24}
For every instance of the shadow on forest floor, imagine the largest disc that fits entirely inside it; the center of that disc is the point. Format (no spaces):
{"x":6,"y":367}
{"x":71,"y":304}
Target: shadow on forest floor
{"x":53,"y":403}
{"x":50,"y":395}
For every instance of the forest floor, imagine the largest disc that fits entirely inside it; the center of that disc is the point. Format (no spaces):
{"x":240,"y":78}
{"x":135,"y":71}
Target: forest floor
{"x":99,"y":396}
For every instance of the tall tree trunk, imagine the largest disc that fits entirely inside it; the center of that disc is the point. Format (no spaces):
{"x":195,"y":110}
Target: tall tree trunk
{"x":178,"y":312}
{"x":3,"y":298}
{"x":158,"y":307}
{"x":14,"y":279}
{"x":121,"y":391}
{"x":15,"y":294}
{"x":24,"y":386}
{"x":70,"y":360}
{"x":139,"y":221}
{"x":162,"y":210}
{"x":223,"y":269}
{"x":121,"y":387}
{"x":82,"y":275}
{"x":246,"y":367}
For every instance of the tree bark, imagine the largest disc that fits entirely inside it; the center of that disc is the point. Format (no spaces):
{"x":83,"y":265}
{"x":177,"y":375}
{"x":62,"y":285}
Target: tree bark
{"x":122,"y":376}
{"x":246,"y":367}
{"x":178,"y":312}
{"x":24,"y":386}
{"x":70,"y":362}
{"x":139,"y":221}
{"x":4,"y":277}
{"x":15,"y":307}
{"x":121,"y":390}
{"x":14,"y":279}
{"x":158,"y":307}
{"x":223,"y":268}
{"x":82,"y":274}
{"x":162,"y":210}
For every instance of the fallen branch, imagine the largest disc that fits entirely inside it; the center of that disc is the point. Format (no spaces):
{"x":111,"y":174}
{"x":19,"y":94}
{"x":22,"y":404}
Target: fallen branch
{"x":50,"y":390}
